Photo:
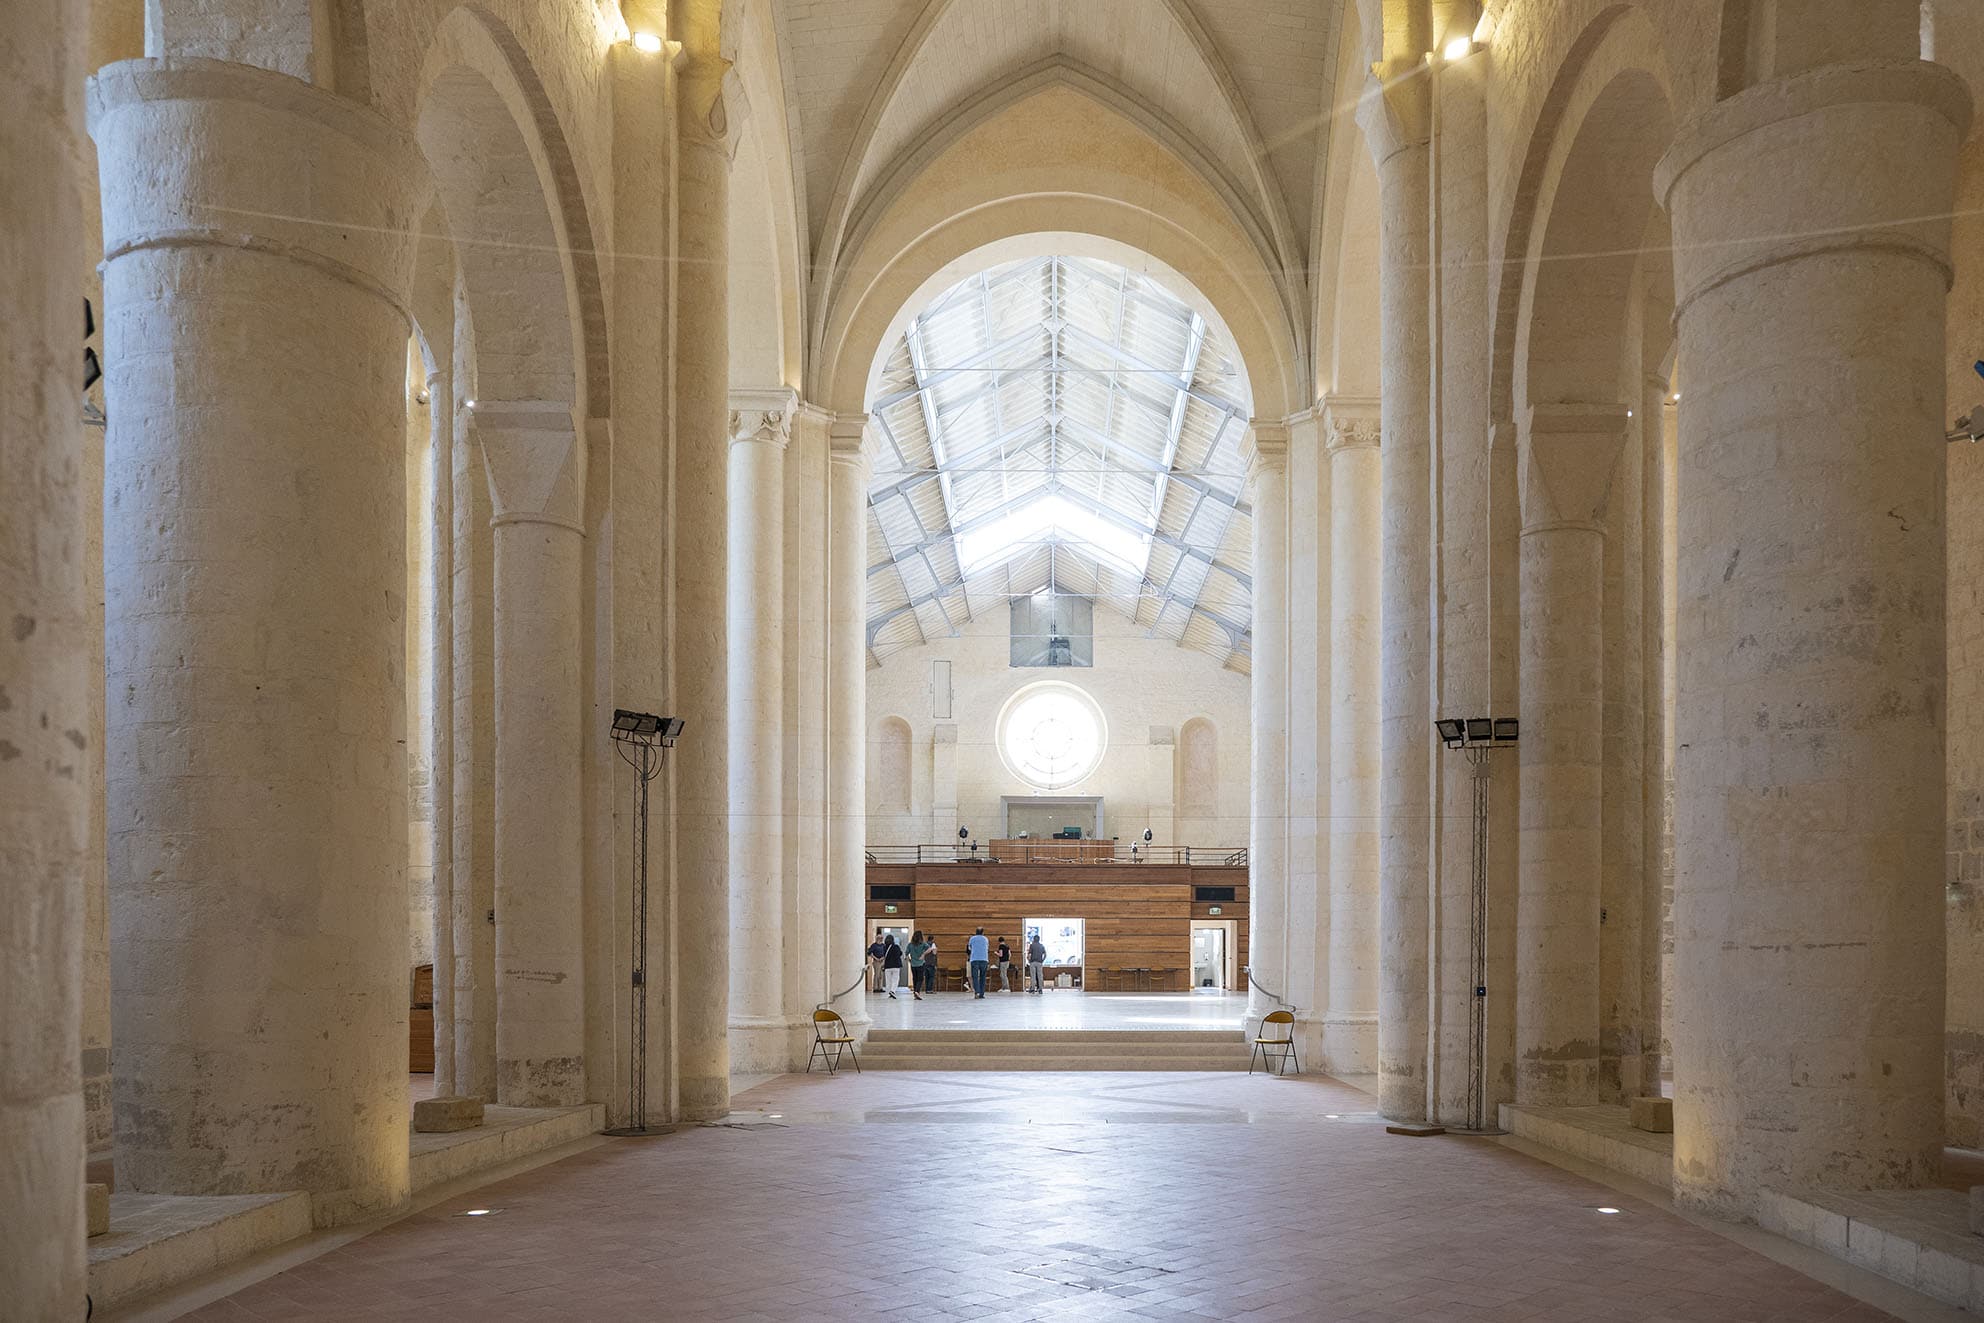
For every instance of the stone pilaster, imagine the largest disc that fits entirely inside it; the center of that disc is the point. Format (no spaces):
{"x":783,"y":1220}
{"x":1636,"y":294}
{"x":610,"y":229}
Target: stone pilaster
{"x":701,"y":649}
{"x":1566,"y":458}
{"x":847,"y":709}
{"x":1267,"y":843}
{"x":254,"y":563}
{"x":1811,"y":247}
{"x":760,"y":430}
{"x":535,"y":462}
{"x":1350,"y":1030}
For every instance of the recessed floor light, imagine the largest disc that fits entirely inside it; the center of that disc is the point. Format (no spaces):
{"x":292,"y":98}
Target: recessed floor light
{"x":1608,"y":1210}
{"x":480,"y":1212}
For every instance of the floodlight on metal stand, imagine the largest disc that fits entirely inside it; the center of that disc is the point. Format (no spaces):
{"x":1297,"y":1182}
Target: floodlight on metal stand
{"x":642,"y":741}
{"x":1478,"y":738}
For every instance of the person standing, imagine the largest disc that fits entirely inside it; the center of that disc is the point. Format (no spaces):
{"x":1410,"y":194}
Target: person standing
{"x":979,"y":950}
{"x":891,"y":967}
{"x":876,"y":950}
{"x":930,"y":964}
{"x":1005,"y":966}
{"x":915,"y":950}
{"x":1036,"y":964}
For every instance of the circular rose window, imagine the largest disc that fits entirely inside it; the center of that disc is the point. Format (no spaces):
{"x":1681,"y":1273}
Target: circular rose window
{"x":1051,"y":735}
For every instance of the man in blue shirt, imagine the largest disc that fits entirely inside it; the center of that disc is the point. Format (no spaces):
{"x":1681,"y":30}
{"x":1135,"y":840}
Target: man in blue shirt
{"x":980,"y":952}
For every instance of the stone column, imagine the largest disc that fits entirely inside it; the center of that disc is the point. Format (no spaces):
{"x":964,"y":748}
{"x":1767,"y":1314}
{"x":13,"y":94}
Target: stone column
{"x":536,"y":469}
{"x":44,"y":707}
{"x":1394,"y":121}
{"x":1305,"y":588}
{"x":1622,"y":877}
{"x":254,"y":560}
{"x":440,"y":628}
{"x":1811,"y":244}
{"x":1267,"y":842}
{"x":1566,"y":457}
{"x":1350,"y":1033}
{"x":701,"y":499}
{"x":807,"y":971}
{"x":760,"y":431}
{"x":847,"y":710}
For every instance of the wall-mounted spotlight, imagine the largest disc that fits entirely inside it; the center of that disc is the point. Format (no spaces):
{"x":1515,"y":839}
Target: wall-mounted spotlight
{"x":647,"y":43}
{"x":646,"y":725}
{"x":1458,"y":49}
{"x":1476,"y":732}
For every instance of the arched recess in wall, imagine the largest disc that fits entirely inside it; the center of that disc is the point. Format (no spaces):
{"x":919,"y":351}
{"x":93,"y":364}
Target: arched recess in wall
{"x":892,"y":766}
{"x":1121,"y":184}
{"x":1198,"y":769}
{"x":503,"y":174}
{"x":1576,"y":249}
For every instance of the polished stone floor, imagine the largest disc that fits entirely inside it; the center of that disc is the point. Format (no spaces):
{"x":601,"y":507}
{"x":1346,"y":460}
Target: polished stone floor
{"x":936,"y":1197}
{"x":1059,"y":1008}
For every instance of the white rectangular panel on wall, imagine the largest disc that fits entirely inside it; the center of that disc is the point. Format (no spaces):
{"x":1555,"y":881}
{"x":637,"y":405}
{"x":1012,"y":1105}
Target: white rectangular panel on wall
{"x":940,"y":690}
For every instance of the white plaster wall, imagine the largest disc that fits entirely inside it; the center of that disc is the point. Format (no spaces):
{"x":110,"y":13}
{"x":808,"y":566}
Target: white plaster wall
{"x":1138,"y":682}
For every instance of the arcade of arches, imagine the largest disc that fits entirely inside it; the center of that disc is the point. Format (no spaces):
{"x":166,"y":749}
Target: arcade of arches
{"x":973,"y":418}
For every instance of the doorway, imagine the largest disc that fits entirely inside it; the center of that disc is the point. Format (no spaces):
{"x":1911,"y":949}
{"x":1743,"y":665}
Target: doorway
{"x":877,"y":930}
{"x":1212,"y":955}
{"x":1065,"y":940}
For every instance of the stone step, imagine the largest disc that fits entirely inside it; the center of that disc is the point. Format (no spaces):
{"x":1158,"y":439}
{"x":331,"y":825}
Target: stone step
{"x":934,"y":1061}
{"x":1052,"y":1049}
{"x":1146,"y":1036}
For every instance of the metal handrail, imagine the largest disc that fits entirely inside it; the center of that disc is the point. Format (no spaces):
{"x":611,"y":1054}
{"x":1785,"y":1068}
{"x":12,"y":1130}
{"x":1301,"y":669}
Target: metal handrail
{"x":1272,"y":995}
{"x":1061,"y":852}
{"x":859,"y":979}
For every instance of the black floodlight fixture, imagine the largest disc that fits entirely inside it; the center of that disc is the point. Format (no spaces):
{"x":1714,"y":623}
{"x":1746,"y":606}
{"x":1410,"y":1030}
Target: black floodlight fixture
{"x":1146,"y":836}
{"x":1480,"y":730}
{"x":671,"y":730}
{"x":1453,"y":731}
{"x":964,"y":833}
{"x":1506,"y":730}
{"x":635,"y":723}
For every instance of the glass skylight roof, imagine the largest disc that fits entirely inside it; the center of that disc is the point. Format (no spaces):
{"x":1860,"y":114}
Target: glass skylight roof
{"x":1064,"y":424}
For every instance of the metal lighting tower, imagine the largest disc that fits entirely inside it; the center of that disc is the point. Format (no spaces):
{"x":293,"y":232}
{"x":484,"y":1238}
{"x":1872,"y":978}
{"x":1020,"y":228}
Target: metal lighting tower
{"x":643,"y":741}
{"x":1478,"y":738}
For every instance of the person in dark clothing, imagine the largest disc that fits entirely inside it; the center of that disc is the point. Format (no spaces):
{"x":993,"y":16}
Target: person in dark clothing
{"x":1006,"y":971}
{"x":891,"y":967}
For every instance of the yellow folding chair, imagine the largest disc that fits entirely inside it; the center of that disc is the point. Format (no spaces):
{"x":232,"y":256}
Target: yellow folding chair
{"x":1275,"y":1051}
{"x":828,"y":1047}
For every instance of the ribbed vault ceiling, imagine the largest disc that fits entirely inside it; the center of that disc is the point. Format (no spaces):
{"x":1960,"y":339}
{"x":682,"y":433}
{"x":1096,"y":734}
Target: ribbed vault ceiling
{"x":1067,"y":425}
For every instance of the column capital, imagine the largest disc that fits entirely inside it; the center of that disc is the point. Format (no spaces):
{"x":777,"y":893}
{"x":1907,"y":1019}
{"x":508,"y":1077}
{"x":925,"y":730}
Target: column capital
{"x":1354,"y":422}
{"x":847,"y":440}
{"x":1265,"y":447}
{"x":763,"y":417}
{"x":351,"y":214}
{"x":1754,"y":181}
{"x":1565,"y":455}
{"x":533,"y":460}
{"x":1395,"y":110}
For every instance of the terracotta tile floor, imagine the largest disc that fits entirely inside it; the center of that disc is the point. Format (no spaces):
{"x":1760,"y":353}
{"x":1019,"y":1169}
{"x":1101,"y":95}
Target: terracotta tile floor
{"x":929,"y":1198}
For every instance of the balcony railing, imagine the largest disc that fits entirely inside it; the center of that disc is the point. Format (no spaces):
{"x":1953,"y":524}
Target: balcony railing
{"x":1061,"y":852}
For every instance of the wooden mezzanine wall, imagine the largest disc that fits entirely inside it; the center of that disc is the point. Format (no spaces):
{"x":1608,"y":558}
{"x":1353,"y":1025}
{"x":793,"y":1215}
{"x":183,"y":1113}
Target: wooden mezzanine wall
{"x":1135,"y":916}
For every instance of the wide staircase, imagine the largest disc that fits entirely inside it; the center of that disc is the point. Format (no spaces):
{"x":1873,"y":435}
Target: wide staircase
{"x":1055,"y":1049}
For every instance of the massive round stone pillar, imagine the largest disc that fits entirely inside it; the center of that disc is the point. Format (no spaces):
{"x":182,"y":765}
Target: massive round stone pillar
{"x":847,"y":711}
{"x":1350,"y":1031}
{"x":1395,"y":125}
{"x":760,"y":430}
{"x":1811,"y":246}
{"x":1267,"y":841}
{"x":257,"y":235}
{"x":536,"y":461}
{"x":701,"y":506}
{"x":44,"y":709}
{"x":1566,"y":456}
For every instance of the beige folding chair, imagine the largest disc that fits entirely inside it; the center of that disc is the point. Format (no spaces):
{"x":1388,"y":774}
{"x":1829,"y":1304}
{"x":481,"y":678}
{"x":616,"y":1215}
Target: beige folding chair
{"x":1275,"y":1051}
{"x":828,"y":1047}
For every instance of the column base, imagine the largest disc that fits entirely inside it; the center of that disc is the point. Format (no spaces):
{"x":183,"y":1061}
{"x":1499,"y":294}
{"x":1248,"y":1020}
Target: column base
{"x":1350,"y":1044}
{"x":769,"y":1045}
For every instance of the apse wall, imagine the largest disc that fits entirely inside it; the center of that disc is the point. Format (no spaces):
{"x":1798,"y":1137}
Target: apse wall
{"x":1147,"y":688}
